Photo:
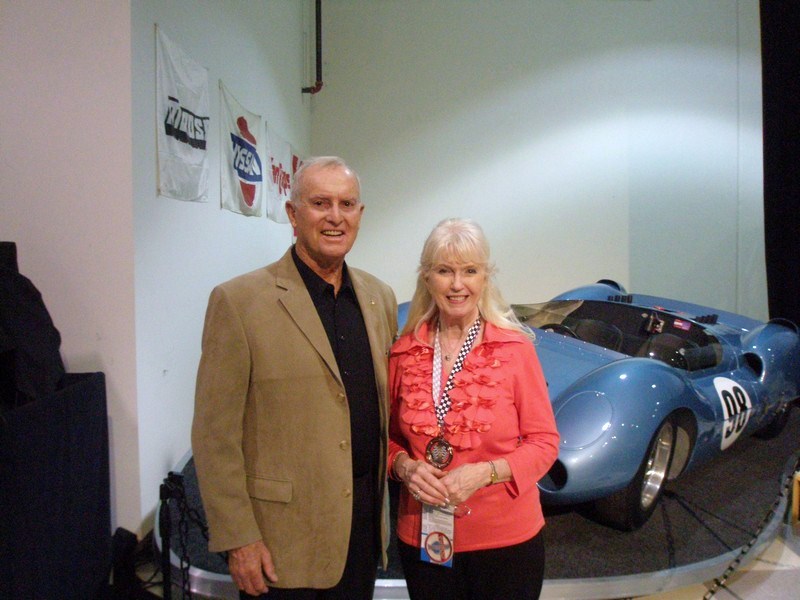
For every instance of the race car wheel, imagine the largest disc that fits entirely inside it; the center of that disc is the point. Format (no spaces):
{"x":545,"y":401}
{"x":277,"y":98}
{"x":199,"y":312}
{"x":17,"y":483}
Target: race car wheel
{"x":774,"y":428}
{"x":560,"y":328}
{"x":631,"y":507}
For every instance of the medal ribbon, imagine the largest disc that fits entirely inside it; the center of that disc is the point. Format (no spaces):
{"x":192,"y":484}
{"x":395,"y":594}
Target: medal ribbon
{"x":443,"y":404}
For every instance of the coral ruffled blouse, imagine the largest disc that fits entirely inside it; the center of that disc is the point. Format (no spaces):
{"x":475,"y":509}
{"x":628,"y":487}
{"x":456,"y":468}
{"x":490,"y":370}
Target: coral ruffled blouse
{"x":500,"y":409}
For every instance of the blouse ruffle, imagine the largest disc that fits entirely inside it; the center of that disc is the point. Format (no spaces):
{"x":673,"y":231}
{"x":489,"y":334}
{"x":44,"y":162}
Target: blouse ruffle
{"x":474,"y":395}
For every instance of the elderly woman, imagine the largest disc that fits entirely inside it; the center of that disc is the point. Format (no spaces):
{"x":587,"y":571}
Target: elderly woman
{"x":471,"y":430}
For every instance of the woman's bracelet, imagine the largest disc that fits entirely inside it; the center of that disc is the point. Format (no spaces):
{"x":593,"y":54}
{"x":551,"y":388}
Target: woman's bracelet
{"x":394,"y":465}
{"x":493,"y":475}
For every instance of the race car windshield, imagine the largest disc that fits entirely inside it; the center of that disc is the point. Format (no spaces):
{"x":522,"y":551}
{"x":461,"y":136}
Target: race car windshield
{"x":627,"y":329}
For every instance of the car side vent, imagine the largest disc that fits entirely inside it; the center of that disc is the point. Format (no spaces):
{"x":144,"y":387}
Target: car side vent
{"x":754,"y":362}
{"x":627,"y":299}
{"x":708,"y":319}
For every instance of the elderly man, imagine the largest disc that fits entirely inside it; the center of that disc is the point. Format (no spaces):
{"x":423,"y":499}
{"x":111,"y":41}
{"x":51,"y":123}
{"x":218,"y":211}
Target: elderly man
{"x":290,"y":425}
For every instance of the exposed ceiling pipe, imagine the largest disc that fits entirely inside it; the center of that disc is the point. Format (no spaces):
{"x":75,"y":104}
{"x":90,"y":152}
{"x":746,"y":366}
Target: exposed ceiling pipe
{"x":318,"y":84}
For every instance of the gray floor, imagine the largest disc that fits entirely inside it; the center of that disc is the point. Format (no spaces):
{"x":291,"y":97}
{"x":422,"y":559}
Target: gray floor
{"x":772,"y":574}
{"x":775,"y":574}
{"x":590,"y":562}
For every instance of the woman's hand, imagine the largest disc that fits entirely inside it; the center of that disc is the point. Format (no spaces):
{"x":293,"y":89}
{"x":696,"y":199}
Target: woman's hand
{"x":465,"y":480}
{"x":422,"y":480}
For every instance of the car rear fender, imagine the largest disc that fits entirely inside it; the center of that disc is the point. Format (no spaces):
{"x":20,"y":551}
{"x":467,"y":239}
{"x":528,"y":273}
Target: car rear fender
{"x":772,"y":352}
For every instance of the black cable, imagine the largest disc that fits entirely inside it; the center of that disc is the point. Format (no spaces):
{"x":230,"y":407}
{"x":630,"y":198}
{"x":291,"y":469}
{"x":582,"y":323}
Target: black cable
{"x":685,"y":505}
{"x":692,"y":507}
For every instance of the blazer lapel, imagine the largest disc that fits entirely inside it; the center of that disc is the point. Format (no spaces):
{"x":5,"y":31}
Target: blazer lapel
{"x":372,"y":310}
{"x":301,"y":309}
{"x":369,"y":309}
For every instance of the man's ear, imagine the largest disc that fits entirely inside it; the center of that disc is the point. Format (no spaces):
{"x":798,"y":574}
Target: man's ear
{"x":290,"y":212}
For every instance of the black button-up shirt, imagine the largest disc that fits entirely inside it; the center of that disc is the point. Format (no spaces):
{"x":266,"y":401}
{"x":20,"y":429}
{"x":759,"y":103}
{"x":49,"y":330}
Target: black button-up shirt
{"x":341,"y":316}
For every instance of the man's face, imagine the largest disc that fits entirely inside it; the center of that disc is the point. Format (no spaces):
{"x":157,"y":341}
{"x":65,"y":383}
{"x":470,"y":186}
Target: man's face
{"x":327,"y":216}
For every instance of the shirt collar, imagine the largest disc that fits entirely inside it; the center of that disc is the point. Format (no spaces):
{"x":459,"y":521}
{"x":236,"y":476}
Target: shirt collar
{"x":315,"y":284}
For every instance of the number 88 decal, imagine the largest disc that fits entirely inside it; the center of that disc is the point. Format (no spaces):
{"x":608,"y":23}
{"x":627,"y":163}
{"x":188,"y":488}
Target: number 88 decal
{"x":736,"y":407}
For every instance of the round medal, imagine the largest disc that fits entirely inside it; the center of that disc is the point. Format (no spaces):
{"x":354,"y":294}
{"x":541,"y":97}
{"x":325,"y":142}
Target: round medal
{"x":439,"y":452}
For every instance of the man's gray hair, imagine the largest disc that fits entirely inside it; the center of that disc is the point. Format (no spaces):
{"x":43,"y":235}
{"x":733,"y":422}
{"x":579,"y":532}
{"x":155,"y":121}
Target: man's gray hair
{"x":322,"y":162}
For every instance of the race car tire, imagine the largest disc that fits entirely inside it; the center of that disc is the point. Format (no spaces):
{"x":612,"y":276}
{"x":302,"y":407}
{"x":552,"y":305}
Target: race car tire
{"x":774,"y":428}
{"x":631,"y":507}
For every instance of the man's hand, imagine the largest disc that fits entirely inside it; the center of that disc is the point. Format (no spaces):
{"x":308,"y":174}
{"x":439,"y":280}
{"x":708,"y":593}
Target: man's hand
{"x":248,"y":566}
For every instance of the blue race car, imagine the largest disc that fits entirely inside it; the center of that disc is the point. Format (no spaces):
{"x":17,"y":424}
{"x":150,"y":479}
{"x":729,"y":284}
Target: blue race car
{"x":644,"y":388}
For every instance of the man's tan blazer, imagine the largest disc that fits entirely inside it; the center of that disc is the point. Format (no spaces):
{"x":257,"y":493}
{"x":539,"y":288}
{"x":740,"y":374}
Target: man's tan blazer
{"x":271,"y":430}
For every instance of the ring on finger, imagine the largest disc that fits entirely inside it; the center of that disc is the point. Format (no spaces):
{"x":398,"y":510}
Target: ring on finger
{"x":415,"y":494}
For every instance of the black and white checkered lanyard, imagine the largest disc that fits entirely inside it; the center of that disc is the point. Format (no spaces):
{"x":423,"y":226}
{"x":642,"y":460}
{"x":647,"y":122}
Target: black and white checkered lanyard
{"x":442,"y":403}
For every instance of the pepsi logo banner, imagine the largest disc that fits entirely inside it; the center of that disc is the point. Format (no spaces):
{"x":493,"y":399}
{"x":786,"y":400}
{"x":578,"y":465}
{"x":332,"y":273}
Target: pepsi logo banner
{"x":182,"y":120}
{"x":241,"y":157}
{"x":283,"y":162}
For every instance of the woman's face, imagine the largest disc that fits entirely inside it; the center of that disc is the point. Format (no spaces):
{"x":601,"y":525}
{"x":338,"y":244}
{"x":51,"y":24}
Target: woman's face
{"x":456,"y":288}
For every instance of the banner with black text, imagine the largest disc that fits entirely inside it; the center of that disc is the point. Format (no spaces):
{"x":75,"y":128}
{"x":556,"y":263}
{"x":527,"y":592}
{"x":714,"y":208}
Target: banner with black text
{"x":182,"y":115}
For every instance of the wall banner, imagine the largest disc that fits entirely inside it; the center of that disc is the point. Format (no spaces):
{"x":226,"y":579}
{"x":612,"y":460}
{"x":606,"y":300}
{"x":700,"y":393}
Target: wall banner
{"x":182,"y":120}
{"x":283,"y":162}
{"x":241,"y":164}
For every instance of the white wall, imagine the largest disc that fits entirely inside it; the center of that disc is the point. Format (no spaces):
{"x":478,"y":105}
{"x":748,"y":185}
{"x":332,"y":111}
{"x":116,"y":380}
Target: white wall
{"x":183,"y":249}
{"x":563,"y":126}
{"x":65,"y":198}
{"x":591,"y":139}
{"x":125,"y":274}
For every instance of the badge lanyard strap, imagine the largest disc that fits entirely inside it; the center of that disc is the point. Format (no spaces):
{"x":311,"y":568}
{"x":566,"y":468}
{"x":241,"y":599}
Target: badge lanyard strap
{"x":443,"y":404}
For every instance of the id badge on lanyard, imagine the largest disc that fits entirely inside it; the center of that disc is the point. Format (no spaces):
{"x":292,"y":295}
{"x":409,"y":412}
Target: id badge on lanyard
{"x":438,"y":524}
{"x":437,"y":535}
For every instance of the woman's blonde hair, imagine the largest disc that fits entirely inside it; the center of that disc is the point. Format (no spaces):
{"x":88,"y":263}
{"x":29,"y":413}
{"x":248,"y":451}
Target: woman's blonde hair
{"x":459,"y":241}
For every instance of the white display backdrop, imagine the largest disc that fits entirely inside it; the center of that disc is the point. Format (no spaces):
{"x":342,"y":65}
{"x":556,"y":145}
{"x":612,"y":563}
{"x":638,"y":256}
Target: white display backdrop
{"x":591,"y":139}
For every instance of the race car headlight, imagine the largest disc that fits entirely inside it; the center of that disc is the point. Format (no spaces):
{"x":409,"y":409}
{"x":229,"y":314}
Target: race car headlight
{"x":583,"y":419}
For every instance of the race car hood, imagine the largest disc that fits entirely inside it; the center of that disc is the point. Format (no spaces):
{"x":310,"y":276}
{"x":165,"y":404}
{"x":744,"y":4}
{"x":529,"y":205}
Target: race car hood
{"x":565,"y":360}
